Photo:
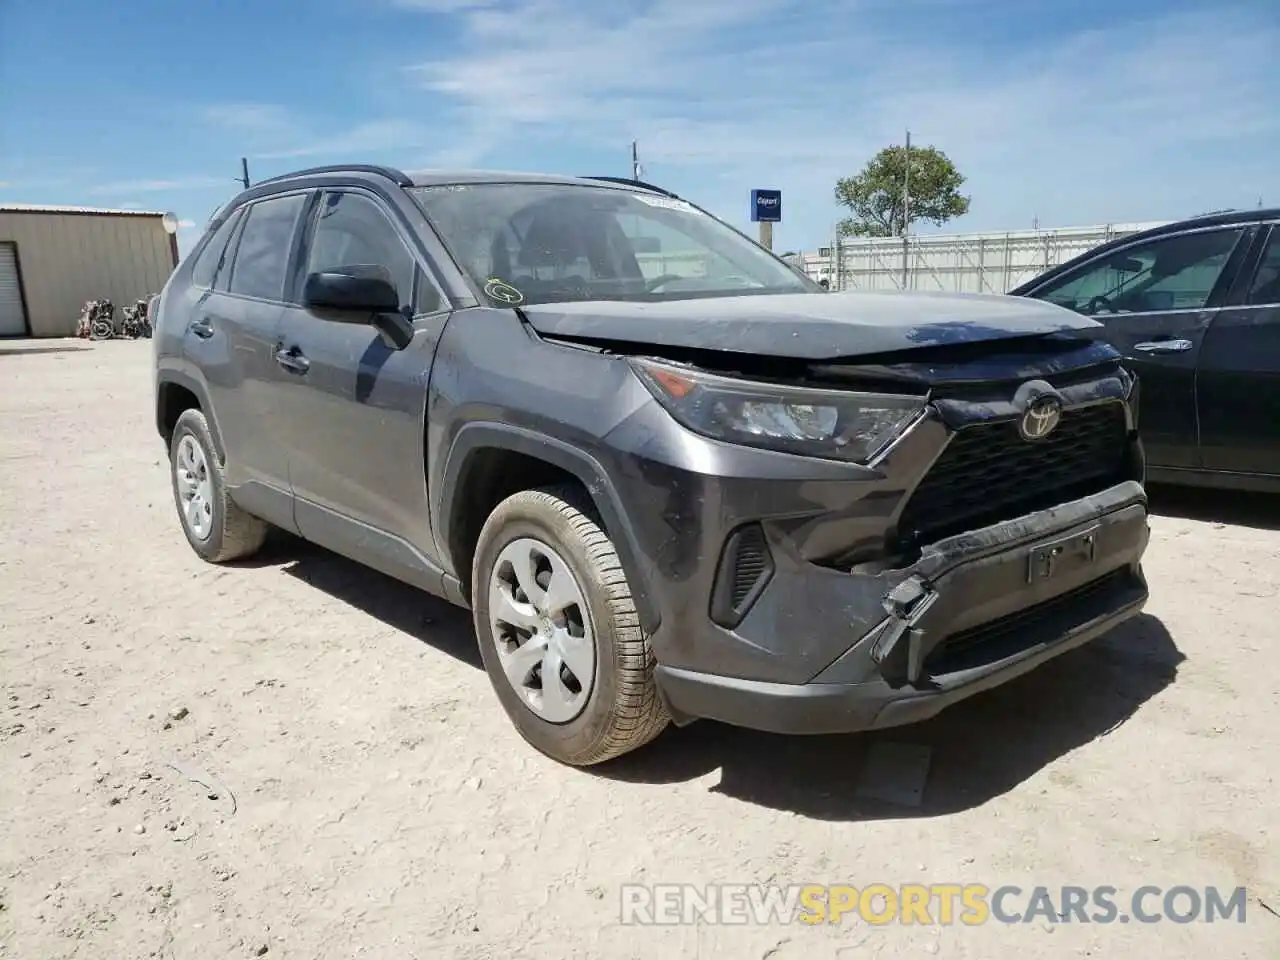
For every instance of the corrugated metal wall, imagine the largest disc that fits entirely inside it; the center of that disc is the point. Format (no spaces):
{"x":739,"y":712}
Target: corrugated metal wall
{"x":956,"y":262}
{"x":70,"y":258}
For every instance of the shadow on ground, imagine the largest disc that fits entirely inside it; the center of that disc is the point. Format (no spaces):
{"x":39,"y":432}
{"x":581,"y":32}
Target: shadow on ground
{"x":428,"y":619}
{"x":1258,"y":510}
{"x":25,"y":351}
{"x":980,"y":748}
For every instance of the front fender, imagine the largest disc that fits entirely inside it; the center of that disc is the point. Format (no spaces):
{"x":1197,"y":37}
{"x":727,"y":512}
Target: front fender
{"x":473,"y":437}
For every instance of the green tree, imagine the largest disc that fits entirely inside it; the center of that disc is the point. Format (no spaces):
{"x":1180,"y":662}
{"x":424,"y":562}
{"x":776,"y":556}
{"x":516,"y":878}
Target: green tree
{"x":875,"y":195}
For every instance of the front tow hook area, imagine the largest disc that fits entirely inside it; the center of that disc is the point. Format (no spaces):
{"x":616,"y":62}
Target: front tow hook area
{"x":901,"y":648}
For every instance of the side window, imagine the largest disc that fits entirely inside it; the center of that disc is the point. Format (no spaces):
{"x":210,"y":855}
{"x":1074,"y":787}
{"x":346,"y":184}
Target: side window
{"x":205,"y":269}
{"x":1266,"y":285}
{"x":1172,"y":273}
{"x":352,"y":234}
{"x":262,"y":255}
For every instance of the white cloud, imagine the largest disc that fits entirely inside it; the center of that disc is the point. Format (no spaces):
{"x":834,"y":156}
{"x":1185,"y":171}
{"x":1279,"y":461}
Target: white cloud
{"x":361,"y":139}
{"x":185,"y":224}
{"x":442,"y":6}
{"x":253,"y":118}
{"x":158,"y":185}
{"x":268,"y":131}
{"x":1102,"y":123}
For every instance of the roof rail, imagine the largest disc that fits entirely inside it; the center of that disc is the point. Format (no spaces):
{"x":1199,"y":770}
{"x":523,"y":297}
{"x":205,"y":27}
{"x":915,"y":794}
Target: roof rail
{"x":627,"y":181}
{"x":391,"y":173}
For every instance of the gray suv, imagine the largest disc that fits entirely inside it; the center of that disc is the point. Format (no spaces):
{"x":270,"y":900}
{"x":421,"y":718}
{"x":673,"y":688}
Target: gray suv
{"x":670,"y":477}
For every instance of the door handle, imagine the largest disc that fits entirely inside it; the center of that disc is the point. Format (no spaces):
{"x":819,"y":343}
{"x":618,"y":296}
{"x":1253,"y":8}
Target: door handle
{"x":1164,"y":346}
{"x":202,"y":328}
{"x":292,"y":360}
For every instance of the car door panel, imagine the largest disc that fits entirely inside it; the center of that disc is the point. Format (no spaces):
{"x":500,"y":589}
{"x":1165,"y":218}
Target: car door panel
{"x":355,"y":405}
{"x":1238,"y":382}
{"x":1162,"y":349}
{"x":356,"y":458}
{"x":243,"y":313}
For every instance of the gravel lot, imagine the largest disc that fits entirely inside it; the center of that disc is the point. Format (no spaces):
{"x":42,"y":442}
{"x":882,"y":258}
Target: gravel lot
{"x":372,"y":799}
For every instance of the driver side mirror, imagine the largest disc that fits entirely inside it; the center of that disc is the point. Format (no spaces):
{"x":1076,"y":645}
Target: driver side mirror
{"x":359,"y":295}
{"x":350,"y":292}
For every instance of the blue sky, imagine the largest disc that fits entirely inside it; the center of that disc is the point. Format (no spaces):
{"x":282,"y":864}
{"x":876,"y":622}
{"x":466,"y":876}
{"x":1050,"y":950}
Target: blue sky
{"x":1065,"y":113}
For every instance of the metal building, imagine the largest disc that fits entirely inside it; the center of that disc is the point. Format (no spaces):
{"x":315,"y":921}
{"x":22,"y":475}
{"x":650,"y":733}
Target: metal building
{"x":955,"y":262}
{"x":54,"y":259}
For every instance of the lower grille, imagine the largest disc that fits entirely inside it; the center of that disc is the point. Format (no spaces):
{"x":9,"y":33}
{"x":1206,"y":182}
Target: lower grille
{"x":988,"y":473}
{"x":745,"y":568}
{"x":990,"y":642}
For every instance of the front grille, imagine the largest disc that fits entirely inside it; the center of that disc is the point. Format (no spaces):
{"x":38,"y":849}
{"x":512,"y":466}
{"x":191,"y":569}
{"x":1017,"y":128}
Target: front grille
{"x":988,"y":473}
{"x":1009,"y":635}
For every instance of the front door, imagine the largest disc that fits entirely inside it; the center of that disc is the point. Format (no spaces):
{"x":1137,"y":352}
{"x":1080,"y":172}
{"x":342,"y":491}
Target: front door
{"x":1239,"y":376}
{"x":356,"y":406}
{"x":1157,"y":299}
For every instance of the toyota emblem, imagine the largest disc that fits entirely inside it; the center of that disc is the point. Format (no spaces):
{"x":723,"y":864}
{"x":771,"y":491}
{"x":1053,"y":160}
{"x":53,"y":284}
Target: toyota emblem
{"x":1040,"y":417}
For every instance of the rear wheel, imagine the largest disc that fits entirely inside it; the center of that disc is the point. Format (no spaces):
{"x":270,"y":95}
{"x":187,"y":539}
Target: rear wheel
{"x":216,"y":528}
{"x":558,"y":630}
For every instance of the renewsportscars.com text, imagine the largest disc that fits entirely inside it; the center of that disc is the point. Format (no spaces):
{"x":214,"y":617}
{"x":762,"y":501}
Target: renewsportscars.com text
{"x":926,"y":904}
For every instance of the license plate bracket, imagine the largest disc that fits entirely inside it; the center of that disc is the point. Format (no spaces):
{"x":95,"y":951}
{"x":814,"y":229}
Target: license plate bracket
{"x":1064,"y":554}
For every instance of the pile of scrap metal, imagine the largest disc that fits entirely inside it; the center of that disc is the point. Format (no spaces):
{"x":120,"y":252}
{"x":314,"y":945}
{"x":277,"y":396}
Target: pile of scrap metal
{"x":98,"y":321}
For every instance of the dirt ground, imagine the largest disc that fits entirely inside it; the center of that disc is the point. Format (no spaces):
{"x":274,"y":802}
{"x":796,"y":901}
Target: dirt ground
{"x":373,"y":801}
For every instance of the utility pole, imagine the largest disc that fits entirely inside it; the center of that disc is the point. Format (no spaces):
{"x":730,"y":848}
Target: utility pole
{"x":244,"y":172}
{"x":906,"y":213}
{"x":635,"y":161}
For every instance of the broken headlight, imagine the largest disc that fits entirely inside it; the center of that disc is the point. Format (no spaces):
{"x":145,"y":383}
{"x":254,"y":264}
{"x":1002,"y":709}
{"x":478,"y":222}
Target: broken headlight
{"x":810,"y":422}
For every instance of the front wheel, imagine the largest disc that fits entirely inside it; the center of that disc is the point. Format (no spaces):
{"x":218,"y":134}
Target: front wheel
{"x":558,"y":630}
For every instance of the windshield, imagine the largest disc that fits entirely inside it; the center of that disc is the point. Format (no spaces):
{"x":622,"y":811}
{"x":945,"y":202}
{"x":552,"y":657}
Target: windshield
{"x":546,"y":243}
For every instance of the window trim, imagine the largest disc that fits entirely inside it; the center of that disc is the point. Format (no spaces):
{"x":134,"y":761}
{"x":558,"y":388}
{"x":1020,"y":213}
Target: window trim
{"x":293,"y":244}
{"x":421,"y":272}
{"x":1268,"y":238}
{"x":1218,"y":296}
{"x":234,"y":218}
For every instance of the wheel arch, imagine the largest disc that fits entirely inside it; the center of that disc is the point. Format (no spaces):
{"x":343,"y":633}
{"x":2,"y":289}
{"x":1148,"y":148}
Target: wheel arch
{"x":458,"y":525}
{"x":177,"y":391}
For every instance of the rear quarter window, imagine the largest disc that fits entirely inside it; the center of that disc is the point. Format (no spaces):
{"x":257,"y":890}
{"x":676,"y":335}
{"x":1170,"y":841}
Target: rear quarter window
{"x":205,"y":270}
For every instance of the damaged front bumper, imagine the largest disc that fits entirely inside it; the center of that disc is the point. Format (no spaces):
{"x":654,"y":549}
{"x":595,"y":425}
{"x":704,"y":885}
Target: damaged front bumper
{"x":974,"y":611}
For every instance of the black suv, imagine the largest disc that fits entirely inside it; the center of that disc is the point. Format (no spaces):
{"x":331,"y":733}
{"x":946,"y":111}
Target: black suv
{"x":670,"y":477}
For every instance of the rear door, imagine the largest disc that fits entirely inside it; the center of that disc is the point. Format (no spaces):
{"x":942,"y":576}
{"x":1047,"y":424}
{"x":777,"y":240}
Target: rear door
{"x":1157,"y":299}
{"x":232,"y":336}
{"x":1239,"y":373}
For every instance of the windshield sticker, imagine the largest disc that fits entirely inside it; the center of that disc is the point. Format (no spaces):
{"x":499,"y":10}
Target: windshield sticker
{"x":502,"y":291}
{"x":666,"y":204}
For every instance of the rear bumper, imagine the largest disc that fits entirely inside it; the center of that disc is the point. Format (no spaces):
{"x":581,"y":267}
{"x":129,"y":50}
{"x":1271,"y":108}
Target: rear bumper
{"x":974,"y":612}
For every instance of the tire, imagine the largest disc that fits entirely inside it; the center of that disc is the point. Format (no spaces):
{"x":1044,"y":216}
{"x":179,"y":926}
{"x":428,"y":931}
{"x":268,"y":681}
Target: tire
{"x":621,"y":710}
{"x":227,"y":532}
{"x":102,"y":330}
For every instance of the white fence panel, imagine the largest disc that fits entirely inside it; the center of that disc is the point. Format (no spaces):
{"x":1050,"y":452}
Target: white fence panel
{"x":957,"y":262}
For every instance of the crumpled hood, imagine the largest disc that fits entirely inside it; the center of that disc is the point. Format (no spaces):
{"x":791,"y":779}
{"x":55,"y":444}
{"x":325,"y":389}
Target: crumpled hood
{"x":819,"y":326}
